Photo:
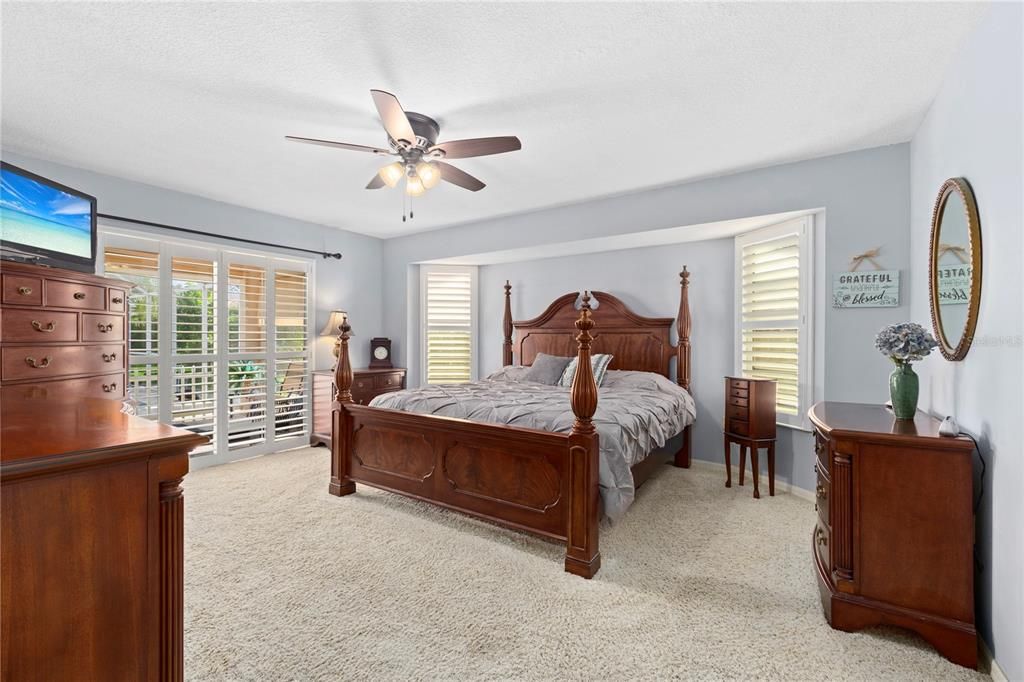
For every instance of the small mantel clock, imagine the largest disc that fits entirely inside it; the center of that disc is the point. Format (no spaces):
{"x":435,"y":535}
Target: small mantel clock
{"x":380,"y":353}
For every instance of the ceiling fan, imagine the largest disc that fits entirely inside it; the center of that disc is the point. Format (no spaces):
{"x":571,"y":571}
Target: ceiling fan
{"x":413,"y":138}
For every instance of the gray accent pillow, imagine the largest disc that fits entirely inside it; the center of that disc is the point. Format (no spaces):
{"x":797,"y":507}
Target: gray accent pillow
{"x":598,"y":364}
{"x":546,"y":369}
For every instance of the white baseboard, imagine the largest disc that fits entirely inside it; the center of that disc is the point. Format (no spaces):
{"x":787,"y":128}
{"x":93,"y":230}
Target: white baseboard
{"x":988,"y":663}
{"x":782,"y":485}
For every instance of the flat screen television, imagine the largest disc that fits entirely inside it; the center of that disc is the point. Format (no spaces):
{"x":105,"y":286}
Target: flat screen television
{"x":45,"y":222}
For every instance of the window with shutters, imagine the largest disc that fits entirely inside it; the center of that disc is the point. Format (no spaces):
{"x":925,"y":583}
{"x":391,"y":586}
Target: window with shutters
{"x":219,"y":341}
{"x":773,"y":311}
{"x":449,"y":323}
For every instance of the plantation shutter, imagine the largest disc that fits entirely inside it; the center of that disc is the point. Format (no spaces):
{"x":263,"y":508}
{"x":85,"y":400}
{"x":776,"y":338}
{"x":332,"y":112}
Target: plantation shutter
{"x":448,"y":324}
{"x":771,"y":316}
{"x":247,"y":347}
{"x":142,"y":269}
{"x":291,"y":371}
{"x":194,"y":346}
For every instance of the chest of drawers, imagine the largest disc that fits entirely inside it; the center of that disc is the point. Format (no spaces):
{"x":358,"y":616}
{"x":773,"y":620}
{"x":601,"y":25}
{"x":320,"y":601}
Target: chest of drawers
{"x":367,"y":384}
{"x":61,"y":332}
{"x":894,"y":537}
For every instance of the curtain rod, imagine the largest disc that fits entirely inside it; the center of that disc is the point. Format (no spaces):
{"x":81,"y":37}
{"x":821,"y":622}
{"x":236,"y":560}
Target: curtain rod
{"x":325,"y":254}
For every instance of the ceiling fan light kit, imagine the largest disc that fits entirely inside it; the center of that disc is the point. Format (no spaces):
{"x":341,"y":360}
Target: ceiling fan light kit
{"x":413,"y":138}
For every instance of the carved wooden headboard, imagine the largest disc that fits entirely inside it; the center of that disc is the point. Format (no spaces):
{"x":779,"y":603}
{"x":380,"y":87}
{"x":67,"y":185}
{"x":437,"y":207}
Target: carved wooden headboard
{"x":636,"y":342}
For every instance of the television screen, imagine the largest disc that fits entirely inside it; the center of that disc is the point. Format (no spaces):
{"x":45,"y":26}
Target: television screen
{"x":46,"y":219}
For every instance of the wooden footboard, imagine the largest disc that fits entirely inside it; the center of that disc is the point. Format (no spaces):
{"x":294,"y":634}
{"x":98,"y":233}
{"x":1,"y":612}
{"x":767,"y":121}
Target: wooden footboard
{"x":546,"y":483}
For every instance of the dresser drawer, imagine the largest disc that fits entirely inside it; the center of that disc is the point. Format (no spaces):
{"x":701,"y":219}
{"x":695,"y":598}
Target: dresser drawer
{"x":822,"y":493}
{"x":736,"y":412}
{"x":738,"y":393}
{"x":822,"y":540}
{"x":71,"y":295}
{"x":22,"y":290}
{"x":362,"y":383}
{"x":37,"y":326}
{"x":735,"y":426}
{"x":389,"y":381}
{"x":116,"y":300}
{"x":740,"y":384}
{"x":102,"y":327}
{"x":739,"y":402}
{"x":821,"y":450}
{"x":44,"y":362}
{"x":103,"y":386}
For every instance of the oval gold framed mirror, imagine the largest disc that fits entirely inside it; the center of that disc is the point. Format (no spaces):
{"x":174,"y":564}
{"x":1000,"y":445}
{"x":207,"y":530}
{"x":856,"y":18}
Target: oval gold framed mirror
{"x":954,"y":271}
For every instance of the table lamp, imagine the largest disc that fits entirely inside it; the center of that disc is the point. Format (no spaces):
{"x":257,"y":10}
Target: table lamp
{"x":331,"y":328}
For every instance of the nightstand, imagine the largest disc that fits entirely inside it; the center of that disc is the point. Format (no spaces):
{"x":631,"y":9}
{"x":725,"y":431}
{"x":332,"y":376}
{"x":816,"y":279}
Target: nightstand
{"x":367,"y":384}
{"x":750,"y":423}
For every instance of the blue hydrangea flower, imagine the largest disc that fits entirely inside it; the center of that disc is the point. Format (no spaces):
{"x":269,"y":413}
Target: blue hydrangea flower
{"x":905,"y":342}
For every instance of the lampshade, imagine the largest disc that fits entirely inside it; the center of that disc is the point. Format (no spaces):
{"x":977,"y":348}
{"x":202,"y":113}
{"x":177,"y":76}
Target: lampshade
{"x":392,"y":173}
{"x":428,"y":173}
{"x":414,"y":186}
{"x":333,"y":322}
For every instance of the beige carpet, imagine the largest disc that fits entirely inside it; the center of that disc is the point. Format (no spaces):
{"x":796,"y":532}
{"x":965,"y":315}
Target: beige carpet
{"x":285,"y":582}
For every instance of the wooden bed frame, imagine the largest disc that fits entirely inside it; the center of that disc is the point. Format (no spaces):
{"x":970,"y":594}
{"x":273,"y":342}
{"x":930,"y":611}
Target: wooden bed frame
{"x":531,"y":480}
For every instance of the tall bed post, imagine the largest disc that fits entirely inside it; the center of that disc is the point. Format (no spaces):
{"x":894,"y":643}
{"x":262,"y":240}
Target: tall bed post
{"x":506,"y":348}
{"x":341,"y":433}
{"x":582,"y":556}
{"x":683,"y":327}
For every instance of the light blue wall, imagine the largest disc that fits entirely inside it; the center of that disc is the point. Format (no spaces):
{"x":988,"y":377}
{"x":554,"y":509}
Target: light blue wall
{"x":864,"y":196}
{"x":974,"y":130}
{"x":647,"y":280}
{"x":353,"y":284}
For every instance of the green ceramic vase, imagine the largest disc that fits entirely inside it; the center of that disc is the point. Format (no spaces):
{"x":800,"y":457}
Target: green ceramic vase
{"x":903,"y":389}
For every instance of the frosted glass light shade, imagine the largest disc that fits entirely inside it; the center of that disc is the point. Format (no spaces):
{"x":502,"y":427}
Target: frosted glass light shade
{"x":428,"y":173}
{"x":414,"y":186}
{"x":392,"y":173}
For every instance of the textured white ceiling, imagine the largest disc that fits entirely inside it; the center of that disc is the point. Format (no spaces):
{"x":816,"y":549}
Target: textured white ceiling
{"x":607,"y":98}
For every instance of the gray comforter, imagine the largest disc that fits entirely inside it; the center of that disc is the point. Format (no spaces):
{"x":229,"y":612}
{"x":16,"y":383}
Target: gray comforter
{"x":636,"y":413}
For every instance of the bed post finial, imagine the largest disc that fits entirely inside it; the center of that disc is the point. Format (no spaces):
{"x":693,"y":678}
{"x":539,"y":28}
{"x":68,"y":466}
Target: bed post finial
{"x":506,"y":348}
{"x":582,"y":556}
{"x":341,"y":429}
{"x":343,"y":370}
{"x":683,"y":327}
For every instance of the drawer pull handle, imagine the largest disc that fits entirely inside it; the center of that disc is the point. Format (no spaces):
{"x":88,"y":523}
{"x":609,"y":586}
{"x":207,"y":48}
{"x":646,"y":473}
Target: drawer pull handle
{"x":109,"y":388}
{"x":117,"y":299}
{"x":819,"y":535}
{"x":32,"y":362}
{"x":79,"y":295}
{"x":105,"y":327}
{"x":25,"y":291}
{"x":109,"y":358}
{"x":38,"y":326}
{"x":820,"y":492}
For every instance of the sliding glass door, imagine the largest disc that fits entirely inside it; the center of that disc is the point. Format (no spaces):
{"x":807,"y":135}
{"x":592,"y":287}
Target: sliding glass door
{"x":219,"y":342}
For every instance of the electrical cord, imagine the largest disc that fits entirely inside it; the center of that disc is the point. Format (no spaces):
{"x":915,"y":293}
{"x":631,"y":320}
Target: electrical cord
{"x":978,"y":565}
{"x":981,"y":479}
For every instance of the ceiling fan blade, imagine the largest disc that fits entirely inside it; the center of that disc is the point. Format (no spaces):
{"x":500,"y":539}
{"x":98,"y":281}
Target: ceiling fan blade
{"x":450,"y":173}
{"x":376,"y":183}
{"x":393,"y":116}
{"x":339,"y":145}
{"x":480,"y":146}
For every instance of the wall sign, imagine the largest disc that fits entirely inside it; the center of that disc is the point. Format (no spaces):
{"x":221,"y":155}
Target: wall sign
{"x":868,"y":289}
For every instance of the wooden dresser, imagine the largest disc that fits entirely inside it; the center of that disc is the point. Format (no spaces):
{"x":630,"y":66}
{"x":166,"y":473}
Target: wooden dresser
{"x":750,"y":423}
{"x":91,"y":573}
{"x":367,"y":384}
{"x":61,"y":331}
{"x":894,"y":539}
